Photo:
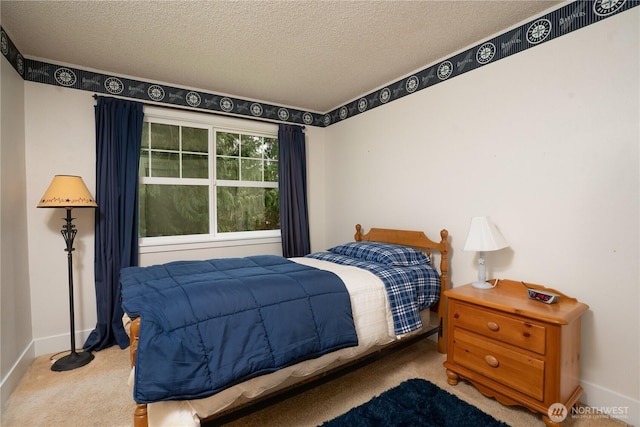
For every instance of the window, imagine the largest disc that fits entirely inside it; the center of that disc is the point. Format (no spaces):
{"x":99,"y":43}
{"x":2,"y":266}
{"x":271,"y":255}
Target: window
{"x":207,"y":178}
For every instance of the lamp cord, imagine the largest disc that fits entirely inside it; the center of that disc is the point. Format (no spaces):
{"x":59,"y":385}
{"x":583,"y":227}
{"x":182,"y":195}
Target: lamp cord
{"x":54,"y":357}
{"x":525,"y":285}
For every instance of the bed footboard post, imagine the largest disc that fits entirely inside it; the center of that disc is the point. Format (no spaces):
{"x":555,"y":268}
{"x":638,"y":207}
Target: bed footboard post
{"x":134,"y":334}
{"x":140,"y":418}
{"x":140,"y":415}
{"x":444,"y":285}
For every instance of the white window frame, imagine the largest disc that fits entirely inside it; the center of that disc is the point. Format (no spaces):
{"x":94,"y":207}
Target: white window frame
{"x":213,"y":239}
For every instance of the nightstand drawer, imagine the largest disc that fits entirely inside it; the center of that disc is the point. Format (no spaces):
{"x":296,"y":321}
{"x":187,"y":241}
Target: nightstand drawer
{"x":514,"y":331}
{"x":515,"y":370}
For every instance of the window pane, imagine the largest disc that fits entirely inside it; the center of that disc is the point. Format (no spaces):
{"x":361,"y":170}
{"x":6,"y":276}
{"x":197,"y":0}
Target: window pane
{"x":271,"y":171}
{"x":165,"y":164}
{"x":271,"y":148}
{"x":227,"y":168}
{"x":165,"y":137}
{"x":227,"y":144}
{"x":247,"y":209}
{"x":195,"y":166}
{"x":145,"y":135}
{"x":195,"y":140}
{"x":271,"y":209}
{"x":251,"y":146}
{"x":173,"y":210}
{"x":251,"y":170}
{"x":144,"y":163}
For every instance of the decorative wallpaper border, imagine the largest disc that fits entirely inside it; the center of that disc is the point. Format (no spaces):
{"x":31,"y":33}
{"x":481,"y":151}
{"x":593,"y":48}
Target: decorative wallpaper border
{"x":557,"y":23}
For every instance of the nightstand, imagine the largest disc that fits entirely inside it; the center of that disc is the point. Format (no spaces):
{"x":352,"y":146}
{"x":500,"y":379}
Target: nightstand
{"x":518,"y":350}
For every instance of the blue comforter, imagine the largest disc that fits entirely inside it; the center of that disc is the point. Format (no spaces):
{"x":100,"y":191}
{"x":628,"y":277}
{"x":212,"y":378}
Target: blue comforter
{"x":207,"y":325}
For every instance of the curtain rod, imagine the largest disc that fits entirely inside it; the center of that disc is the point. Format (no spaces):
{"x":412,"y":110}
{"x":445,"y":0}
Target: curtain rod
{"x":179,"y":108}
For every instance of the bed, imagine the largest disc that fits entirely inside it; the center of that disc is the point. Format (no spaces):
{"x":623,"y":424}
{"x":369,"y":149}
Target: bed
{"x":377,"y":275}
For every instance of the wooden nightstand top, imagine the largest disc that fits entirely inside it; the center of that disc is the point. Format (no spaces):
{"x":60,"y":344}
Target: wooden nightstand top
{"x":510,"y":296}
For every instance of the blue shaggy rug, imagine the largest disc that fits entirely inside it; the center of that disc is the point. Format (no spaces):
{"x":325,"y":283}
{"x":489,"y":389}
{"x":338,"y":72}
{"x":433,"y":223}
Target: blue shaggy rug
{"x":415,"y":403}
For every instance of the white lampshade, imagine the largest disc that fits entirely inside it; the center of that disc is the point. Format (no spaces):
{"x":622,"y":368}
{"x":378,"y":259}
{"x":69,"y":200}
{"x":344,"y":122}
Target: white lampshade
{"x":67,"y":191}
{"x":484,"y":236}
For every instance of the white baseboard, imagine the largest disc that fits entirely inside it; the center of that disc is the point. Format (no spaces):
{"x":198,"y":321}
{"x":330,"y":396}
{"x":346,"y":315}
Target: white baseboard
{"x":37,"y":347}
{"x":17,"y":371}
{"x":59,"y":343}
{"x":614,"y":404}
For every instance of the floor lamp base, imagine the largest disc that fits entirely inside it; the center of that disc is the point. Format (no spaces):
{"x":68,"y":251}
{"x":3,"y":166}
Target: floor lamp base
{"x":72,"y":361}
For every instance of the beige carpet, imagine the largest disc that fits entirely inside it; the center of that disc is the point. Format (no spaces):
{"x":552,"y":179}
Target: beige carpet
{"x":97,"y":394}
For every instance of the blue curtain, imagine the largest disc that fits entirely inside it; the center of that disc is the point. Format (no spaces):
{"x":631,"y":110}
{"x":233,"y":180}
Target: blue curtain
{"x":292,"y":171}
{"x":118,"y":139}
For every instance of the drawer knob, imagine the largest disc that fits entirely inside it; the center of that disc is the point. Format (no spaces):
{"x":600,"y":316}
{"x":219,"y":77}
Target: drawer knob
{"x":493,"y":326}
{"x":491,"y":361}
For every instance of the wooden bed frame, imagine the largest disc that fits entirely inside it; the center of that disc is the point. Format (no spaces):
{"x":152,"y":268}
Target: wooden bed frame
{"x":415,"y":239}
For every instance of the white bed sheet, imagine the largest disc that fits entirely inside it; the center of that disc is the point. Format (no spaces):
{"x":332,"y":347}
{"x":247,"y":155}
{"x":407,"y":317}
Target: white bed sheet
{"x":374,"y":327}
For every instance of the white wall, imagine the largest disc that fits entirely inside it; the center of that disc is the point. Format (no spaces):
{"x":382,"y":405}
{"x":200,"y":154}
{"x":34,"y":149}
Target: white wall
{"x":545,"y":142}
{"x":15,"y":308}
{"x":317,"y":170}
{"x":60,"y":140}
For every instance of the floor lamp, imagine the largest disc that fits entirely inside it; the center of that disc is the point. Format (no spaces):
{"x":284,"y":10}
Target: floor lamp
{"x":69,"y":192}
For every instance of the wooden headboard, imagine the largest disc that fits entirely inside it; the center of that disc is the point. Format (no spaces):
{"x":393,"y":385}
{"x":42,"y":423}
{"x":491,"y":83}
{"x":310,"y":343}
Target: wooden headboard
{"x":418,"y":240}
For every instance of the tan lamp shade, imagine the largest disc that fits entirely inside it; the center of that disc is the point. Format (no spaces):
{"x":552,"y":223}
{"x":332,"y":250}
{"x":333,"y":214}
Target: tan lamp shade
{"x":67,"y":191}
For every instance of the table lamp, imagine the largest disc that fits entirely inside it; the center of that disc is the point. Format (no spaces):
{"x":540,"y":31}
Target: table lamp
{"x":483,"y":237}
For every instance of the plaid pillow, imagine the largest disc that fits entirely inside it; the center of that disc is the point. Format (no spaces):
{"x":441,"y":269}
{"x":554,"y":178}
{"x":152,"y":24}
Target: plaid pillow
{"x":382,"y":253}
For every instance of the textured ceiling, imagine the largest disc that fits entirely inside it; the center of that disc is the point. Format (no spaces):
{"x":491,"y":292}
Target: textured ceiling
{"x":312,"y":55}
